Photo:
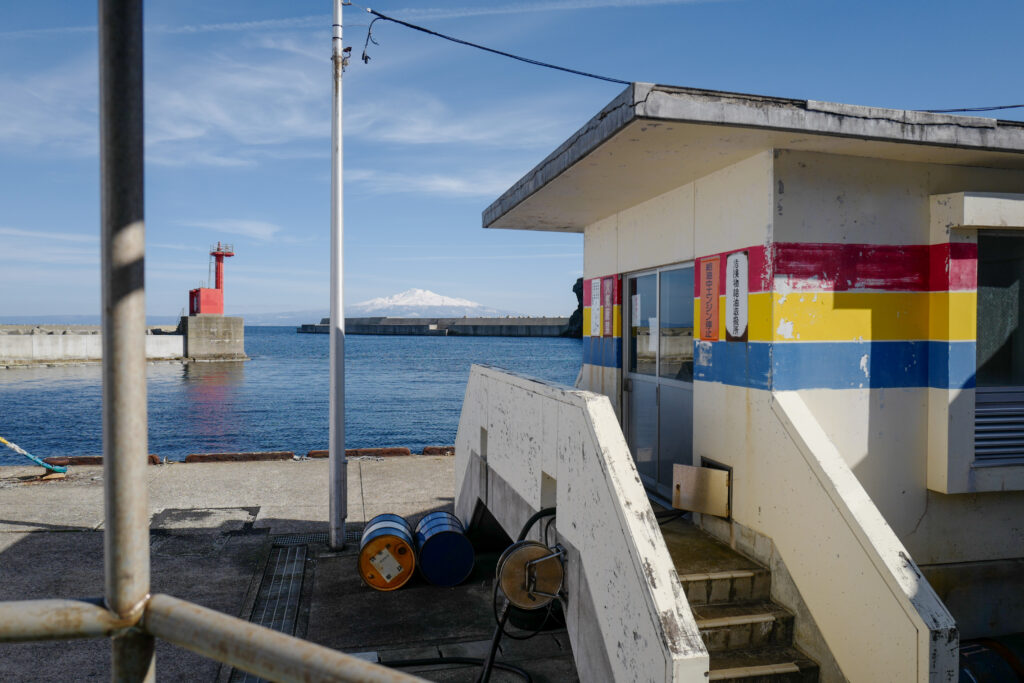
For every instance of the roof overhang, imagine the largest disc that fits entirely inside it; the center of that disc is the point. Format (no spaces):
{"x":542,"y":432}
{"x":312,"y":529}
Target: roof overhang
{"x":653,"y":138}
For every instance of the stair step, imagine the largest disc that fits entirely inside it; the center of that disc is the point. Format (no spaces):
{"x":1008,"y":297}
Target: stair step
{"x":763,"y":665}
{"x":737,"y":585}
{"x":743,"y":626}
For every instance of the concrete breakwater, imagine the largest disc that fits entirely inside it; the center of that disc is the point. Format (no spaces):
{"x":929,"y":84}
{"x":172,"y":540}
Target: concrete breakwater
{"x":448,"y":327}
{"x":200,"y":337}
{"x":53,"y":344}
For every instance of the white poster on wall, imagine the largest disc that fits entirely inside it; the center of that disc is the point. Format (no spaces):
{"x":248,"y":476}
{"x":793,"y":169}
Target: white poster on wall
{"x":595,"y":307}
{"x":736,"y":289}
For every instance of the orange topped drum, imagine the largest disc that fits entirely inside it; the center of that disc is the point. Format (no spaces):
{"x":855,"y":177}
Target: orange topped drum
{"x":386,"y":556}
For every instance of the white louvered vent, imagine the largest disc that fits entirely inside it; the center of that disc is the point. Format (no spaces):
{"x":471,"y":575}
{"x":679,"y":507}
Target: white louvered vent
{"x":998,"y":425}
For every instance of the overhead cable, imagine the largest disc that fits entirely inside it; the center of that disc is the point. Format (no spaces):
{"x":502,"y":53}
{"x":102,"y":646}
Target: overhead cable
{"x":481,"y":47}
{"x":954,"y":111}
{"x":535,"y":62}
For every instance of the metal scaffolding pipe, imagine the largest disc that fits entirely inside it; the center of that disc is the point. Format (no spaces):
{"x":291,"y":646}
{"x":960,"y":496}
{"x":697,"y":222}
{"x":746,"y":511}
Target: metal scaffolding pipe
{"x":261,"y":651}
{"x":122,"y":255}
{"x":338,"y":488}
{"x":26,"y":620}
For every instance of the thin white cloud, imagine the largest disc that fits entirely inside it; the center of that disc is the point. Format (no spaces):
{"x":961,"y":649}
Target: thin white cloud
{"x":309,"y":21}
{"x":418,"y":118}
{"x":324,"y":20}
{"x":555,"y":6}
{"x":47,"y":236}
{"x":175,"y":247}
{"x":257,"y":230}
{"x":488,"y":257}
{"x":483,"y":184}
{"x":53,"y":254}
{"x":54,"y":109}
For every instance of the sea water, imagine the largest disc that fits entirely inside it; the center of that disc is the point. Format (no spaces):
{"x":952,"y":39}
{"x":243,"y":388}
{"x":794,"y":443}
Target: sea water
{"x":400,"y":391}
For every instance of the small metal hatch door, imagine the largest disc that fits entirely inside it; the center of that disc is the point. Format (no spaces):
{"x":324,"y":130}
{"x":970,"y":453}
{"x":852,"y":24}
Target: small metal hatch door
{"x":700,"y":489}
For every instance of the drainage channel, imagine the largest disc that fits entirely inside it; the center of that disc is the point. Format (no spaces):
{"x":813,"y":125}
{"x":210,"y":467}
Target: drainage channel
{"x":277,"y":603}
{"x":280,"y":591}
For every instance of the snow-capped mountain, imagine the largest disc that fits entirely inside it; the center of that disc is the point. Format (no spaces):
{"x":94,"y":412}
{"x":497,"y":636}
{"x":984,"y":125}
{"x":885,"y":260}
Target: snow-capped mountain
{"x":421,"y":303}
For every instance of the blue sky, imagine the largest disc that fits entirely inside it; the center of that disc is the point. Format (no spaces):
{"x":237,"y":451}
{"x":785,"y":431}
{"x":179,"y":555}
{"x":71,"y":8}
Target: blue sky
{"x":238,"y":129}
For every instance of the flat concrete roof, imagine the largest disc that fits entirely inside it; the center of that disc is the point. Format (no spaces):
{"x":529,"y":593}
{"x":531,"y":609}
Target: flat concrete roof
{"x":653,"y":138}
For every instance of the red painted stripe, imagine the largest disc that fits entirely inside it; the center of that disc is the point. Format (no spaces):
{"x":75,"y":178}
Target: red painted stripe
{"x":954,"y":267}
{"x":759,"y":270}
{"x":851,"y":267}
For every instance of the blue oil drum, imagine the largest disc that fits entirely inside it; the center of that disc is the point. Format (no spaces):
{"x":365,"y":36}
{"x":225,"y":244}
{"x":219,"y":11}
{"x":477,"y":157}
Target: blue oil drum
{"x":387,"y":557}
{"x":445,"y":555}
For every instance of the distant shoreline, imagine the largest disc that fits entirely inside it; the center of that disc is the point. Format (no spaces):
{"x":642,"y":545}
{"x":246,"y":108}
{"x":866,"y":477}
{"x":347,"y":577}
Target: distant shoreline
{"x":448,"y":327}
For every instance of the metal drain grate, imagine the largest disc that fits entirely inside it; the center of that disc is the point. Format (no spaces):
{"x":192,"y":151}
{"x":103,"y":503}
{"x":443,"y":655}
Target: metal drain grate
{"x":300,"y":539}
{"x":277,"y":603}
{"x":353,"y":534}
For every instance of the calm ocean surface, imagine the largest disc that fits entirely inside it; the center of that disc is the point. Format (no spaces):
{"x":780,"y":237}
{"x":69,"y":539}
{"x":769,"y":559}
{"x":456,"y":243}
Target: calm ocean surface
{"x":400,"y":391}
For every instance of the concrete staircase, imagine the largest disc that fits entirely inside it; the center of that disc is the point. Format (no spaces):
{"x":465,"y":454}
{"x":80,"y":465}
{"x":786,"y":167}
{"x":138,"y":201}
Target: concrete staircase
{"x":749,"y":638}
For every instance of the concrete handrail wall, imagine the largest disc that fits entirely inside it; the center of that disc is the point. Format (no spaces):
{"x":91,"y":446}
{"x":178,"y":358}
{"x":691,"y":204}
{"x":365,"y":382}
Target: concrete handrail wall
{"x":524,"y":444}
{"x":878,"y":614}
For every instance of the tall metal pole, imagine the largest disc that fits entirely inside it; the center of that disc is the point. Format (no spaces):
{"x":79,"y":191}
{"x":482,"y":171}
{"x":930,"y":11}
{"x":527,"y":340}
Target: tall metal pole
{"x":122,"y":256}
{"x":338,"y":463}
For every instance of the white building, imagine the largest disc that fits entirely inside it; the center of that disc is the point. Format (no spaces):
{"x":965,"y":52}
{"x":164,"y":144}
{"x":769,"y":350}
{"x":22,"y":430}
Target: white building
{"x":823,"y":300}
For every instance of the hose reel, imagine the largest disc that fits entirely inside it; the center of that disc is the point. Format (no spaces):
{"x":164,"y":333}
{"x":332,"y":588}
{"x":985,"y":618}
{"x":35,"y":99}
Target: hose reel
{"x":530,"y":574}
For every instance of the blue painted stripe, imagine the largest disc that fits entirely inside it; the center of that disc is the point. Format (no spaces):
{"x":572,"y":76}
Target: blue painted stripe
{"x":603,"y":351}
{"x":736,"y":363}
{"x":837,"y":365}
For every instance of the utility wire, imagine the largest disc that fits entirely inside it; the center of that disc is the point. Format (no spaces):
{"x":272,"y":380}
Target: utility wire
{"x":953,"y":111}
{"x":380,"y":16}
{"x":480,"y":47}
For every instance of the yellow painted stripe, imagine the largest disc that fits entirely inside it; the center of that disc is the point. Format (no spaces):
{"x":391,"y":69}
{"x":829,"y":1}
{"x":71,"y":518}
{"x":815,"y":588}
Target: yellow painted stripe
{"x":878,"y":316}
{"x":586,"y":321}
{"x":759,"y":316}
{"x":617,"y":321}
{"x":856,"y":316}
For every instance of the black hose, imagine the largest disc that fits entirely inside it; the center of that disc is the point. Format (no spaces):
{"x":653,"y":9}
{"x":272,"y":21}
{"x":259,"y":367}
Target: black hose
{"x":432,"y":661}
{"x":546,"y":512}
{"x":485,"y":672}
{"x":488,"y":663}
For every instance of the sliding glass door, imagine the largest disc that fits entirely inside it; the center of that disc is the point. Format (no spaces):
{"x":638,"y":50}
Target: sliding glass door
{"x":659,"y":373}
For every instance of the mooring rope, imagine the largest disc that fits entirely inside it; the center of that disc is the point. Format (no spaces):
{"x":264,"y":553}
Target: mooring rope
{"x":18,"y":449}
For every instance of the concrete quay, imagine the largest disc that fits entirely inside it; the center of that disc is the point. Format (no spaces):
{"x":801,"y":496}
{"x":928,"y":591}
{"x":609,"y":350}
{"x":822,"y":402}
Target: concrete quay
{"x":218,"y":530}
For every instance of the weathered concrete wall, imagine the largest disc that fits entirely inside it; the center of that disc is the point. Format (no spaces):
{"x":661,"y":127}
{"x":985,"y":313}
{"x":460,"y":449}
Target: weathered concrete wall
{"x":888,"y":434}
{"x":213,"y":337}
{"x":523,"y":445}
{"x":26,"y":349}
{"x":727,"y":209}
{"x":790,"y":484}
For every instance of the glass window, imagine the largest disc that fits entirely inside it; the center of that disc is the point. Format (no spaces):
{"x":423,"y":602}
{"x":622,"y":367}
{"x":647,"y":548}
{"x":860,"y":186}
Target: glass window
{"x":1000,"y":346}
{"x":643,"y":320}
{"x":676,"y":321}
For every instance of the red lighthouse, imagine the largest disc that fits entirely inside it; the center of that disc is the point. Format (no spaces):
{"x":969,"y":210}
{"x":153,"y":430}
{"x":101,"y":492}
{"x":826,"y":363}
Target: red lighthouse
{"x":207,"y":301}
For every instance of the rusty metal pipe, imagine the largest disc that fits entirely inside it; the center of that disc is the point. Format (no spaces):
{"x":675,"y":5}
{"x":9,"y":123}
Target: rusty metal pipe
{"x":122,"y":256}
{"x":261,"y":651}
{"x":26,"y":620}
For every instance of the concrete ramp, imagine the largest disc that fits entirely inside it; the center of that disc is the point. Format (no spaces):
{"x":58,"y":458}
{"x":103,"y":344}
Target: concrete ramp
{"x":524,"y":445}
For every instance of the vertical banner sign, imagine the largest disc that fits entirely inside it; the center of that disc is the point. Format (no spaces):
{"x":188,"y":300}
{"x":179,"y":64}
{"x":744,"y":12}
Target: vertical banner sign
{"x":736,"y":288}
{"x":709,"y":298}
{"x":607,"y":302}
{"x":595,"y":307}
